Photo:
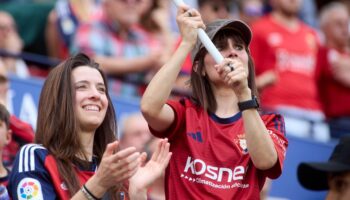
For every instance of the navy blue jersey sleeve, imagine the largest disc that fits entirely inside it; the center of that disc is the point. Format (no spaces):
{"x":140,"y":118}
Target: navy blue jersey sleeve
{"x":29,"y":178}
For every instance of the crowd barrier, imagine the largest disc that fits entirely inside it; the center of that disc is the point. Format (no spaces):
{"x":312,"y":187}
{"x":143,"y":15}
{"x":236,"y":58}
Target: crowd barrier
{"x":23,"y":102}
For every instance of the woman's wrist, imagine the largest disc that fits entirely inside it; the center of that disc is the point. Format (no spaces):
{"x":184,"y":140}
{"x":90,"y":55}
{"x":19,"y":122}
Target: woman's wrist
{"x":136,"y":193}
{"x":95,"y":188}
{"x":88,"y":194}
{"x":244,"y":95}
{"x":186,"y":44}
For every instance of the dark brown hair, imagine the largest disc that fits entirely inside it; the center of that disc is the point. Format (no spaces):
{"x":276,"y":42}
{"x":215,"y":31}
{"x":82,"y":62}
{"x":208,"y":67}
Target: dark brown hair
{"x":57,"y":128}
{"x":202,"y":93}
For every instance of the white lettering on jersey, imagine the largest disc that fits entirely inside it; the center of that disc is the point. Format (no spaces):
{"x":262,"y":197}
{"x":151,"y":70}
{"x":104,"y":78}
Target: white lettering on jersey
{"x":29,"y":188}
{"x":199,"y":167}
{"x":290,"y":61}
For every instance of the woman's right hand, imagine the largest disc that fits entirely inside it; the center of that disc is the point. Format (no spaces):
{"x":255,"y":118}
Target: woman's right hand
{"x":188,"y":21}
{"x":114,"y":168}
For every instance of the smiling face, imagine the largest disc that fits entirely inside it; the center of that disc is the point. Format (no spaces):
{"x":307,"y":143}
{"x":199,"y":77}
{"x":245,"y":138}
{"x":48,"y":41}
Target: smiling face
{"x":91,"y":102}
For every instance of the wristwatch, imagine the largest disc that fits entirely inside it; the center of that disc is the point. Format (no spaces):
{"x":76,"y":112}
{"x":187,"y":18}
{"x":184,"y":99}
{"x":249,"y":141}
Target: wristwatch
{"x":244,"y":105}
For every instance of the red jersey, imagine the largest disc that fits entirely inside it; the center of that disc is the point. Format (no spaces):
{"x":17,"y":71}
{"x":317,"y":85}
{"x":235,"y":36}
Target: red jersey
{"x":292,"y":55}
{"x":335,"y":97}
{"x":210,"y":158}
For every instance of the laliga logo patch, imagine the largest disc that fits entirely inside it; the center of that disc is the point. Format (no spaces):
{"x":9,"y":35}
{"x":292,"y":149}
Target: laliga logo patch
{"x":29,"y":189}
{"x":242,"y":143}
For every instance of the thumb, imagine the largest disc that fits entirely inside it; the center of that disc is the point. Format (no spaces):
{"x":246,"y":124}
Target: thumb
{"x":111,"y":147}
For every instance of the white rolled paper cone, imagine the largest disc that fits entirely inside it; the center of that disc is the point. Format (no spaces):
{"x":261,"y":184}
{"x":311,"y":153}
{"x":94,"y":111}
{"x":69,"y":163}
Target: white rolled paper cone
{"x":207,"y":43}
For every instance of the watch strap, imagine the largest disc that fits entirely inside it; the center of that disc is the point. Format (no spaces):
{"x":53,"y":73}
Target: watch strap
{"x":249,"y":104}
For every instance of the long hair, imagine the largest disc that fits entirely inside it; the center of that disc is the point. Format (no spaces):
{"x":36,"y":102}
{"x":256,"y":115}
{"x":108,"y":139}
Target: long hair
{"x":57,"y":126}
{"x":202,"y":93}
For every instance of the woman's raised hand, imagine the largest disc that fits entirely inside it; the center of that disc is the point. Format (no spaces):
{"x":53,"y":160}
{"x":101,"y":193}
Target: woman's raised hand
{"x":188,"y":21}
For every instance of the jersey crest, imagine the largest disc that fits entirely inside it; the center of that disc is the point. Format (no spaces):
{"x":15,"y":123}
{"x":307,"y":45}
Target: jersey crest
{"x":242,"y":143}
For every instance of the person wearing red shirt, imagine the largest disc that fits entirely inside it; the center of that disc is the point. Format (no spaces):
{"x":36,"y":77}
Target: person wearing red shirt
{"x":284,"y":50}
{"x":333,"y":68}
{"x":223,"y":148}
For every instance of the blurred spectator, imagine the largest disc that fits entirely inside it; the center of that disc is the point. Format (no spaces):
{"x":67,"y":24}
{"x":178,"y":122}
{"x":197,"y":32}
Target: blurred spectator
{"x":120,"y":45}
{"x":155,"y":19}
{"x":22,"y":132}
{"x":5,"y":138}
{"x":157,"y":189}
{"x":333,"y":68}
{"x":63,"y":22}
{"x":134,"y":132}
{"x":210,"y":10}
{"x":250,"y":10}
{"x":10,"y":42}
{"x":284,"y":50}
{"x":333,"y":175}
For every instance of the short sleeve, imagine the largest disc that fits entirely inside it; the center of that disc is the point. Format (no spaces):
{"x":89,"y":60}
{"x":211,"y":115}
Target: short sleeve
{"x":179,"y":111}
{"x":29,"y":179}
{"x":276,"y":129}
